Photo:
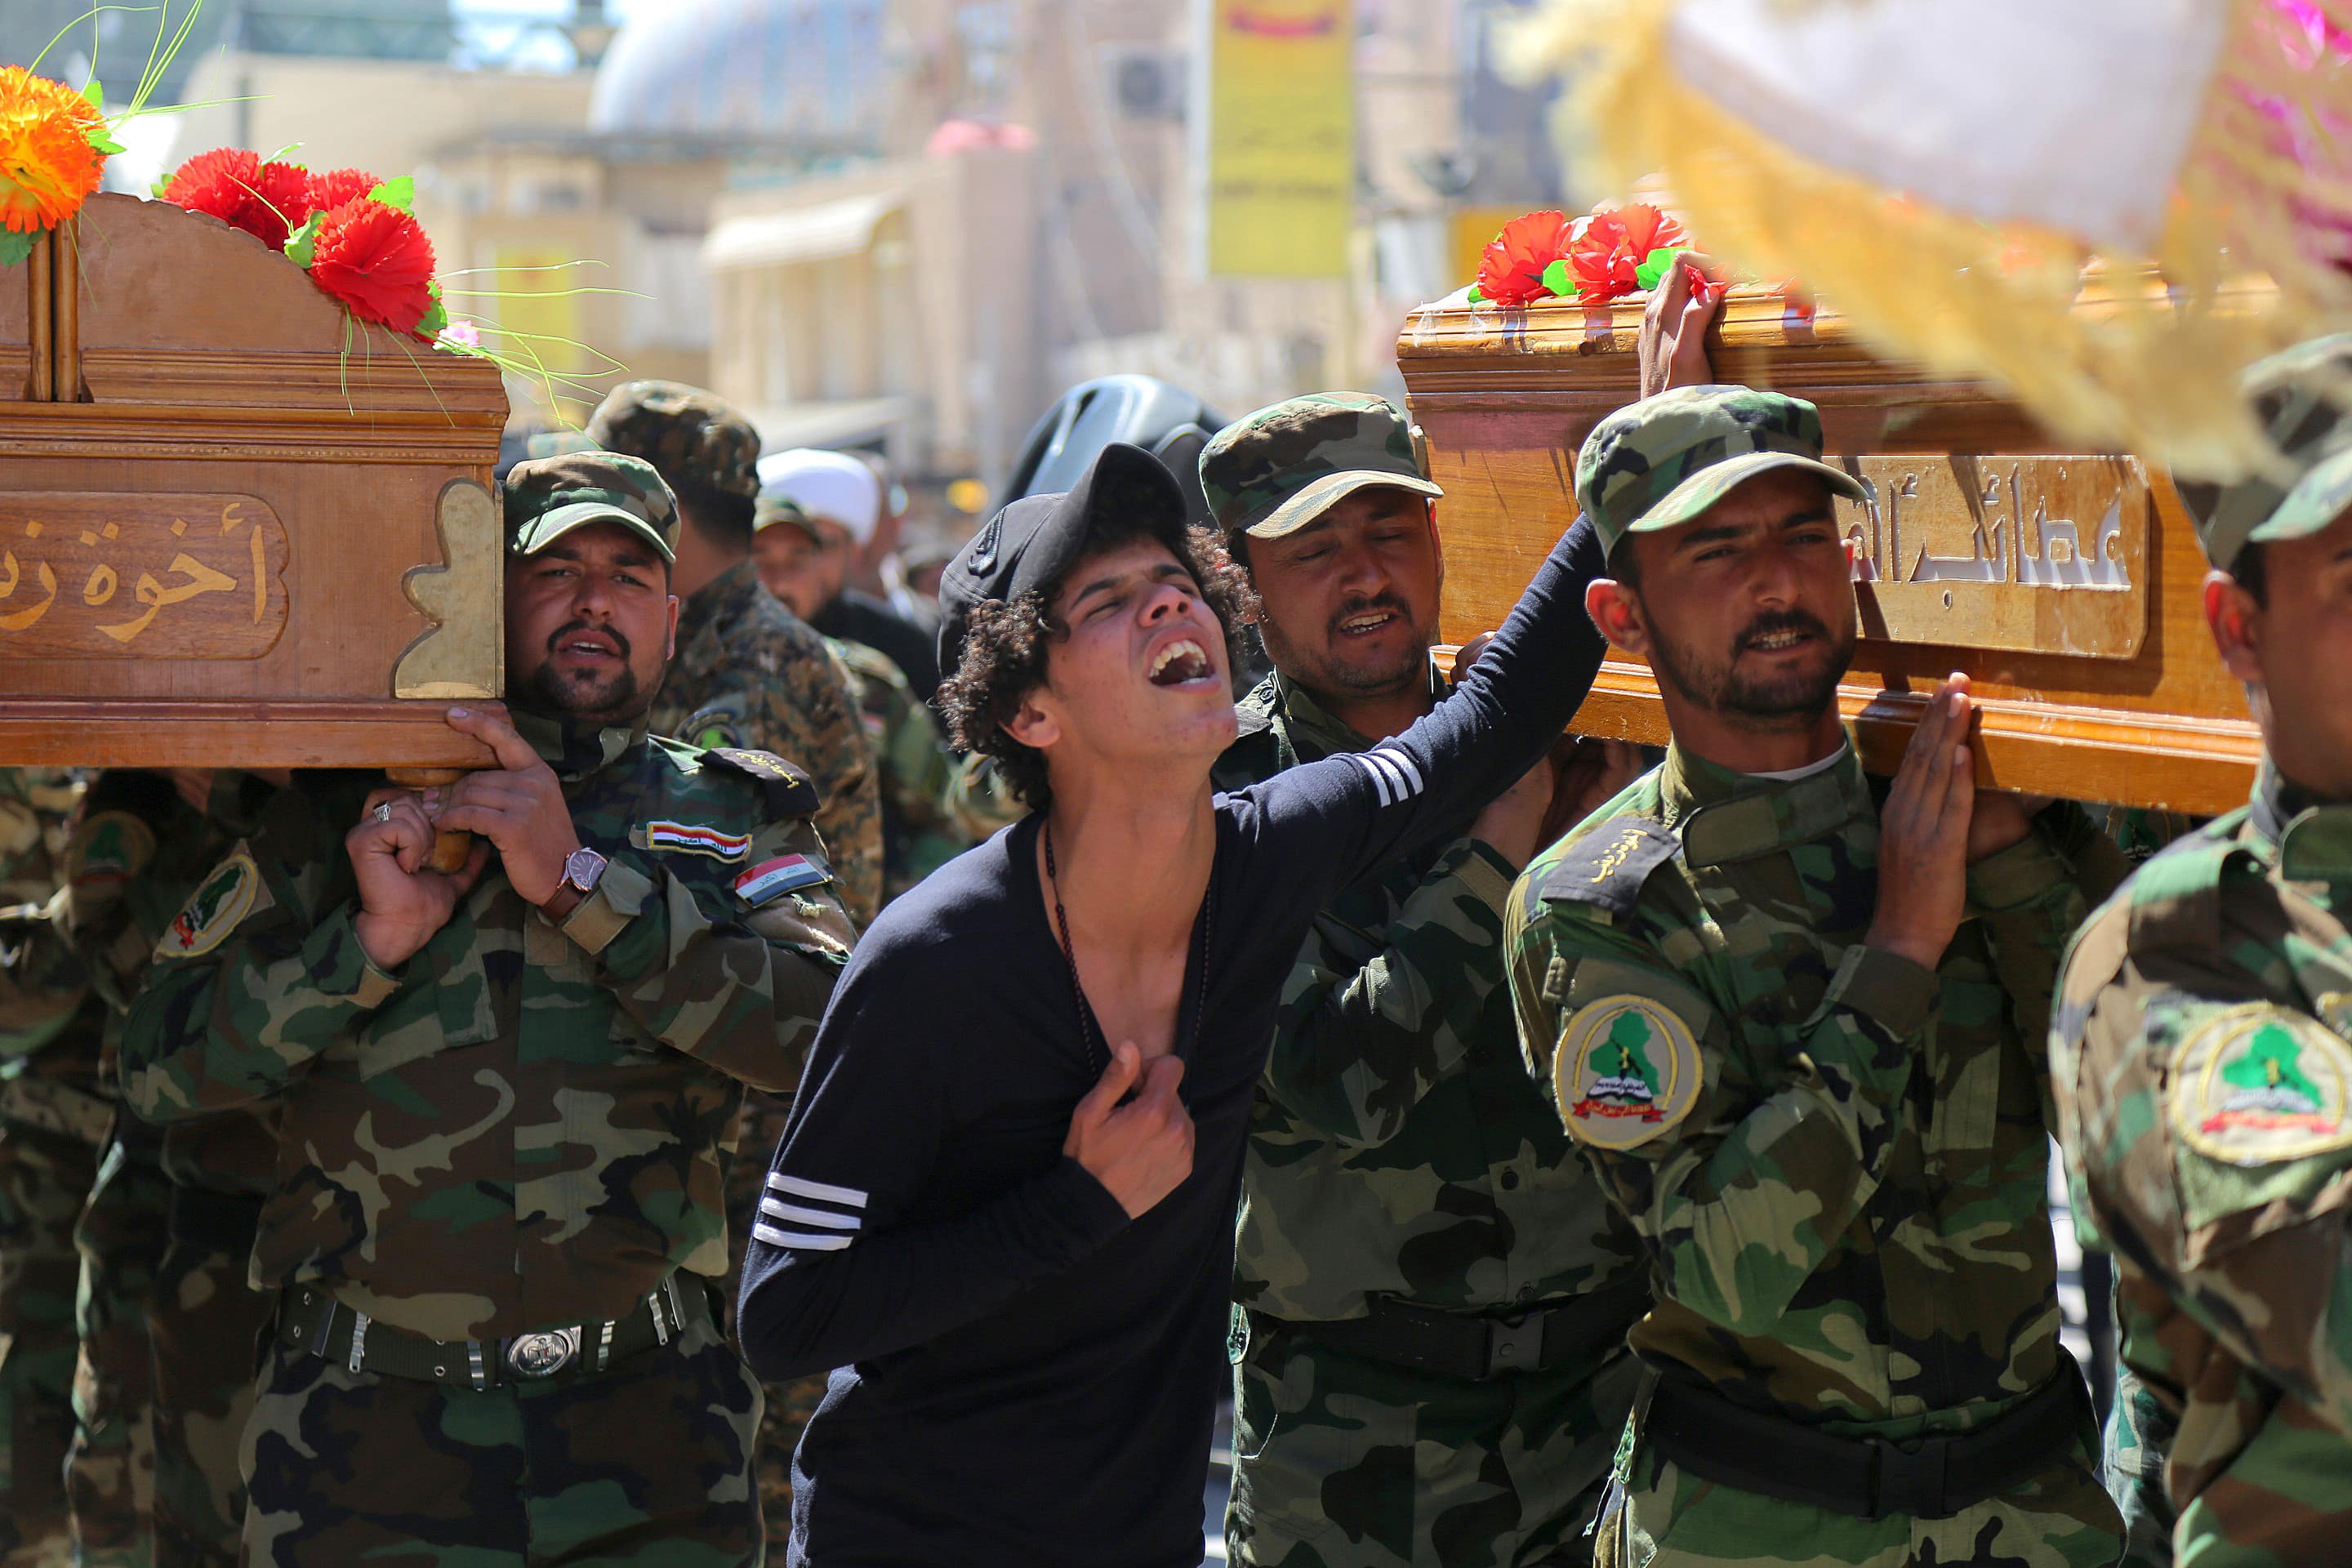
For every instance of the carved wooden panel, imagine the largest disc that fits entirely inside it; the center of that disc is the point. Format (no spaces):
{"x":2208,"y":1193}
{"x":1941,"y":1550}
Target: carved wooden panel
{"x":213,"y":520}
{"x":2095,"y":675}
{"x":87,"y":575}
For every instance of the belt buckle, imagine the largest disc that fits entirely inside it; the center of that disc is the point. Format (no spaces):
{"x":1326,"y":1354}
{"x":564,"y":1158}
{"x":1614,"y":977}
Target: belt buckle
{"x":542,"y":1354}
{"x":1514,"y":1344}
{"x":1907,"y":1477}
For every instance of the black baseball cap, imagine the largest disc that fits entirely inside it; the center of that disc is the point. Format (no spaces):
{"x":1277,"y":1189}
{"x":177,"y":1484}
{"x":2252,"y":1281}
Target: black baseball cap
{"x":1032,"y":544}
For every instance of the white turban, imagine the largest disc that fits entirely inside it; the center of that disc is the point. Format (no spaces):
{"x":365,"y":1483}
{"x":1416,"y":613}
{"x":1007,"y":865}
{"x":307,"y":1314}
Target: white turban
{"x":832,"y":485}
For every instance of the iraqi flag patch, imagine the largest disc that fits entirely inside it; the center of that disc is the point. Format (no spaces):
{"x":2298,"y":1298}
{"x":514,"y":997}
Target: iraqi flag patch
{"x":689,"y":839}
{"x":771,"y":879}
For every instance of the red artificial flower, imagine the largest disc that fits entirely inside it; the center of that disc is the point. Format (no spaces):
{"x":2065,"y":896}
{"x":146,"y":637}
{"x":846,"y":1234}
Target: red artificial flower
{"x":376,"y":262}
{"x":268,"y":201}
{"x":1607,"y":246}
{"x":1511,"y":271}
{"x":336,"y":186}
{"x":1648,"y":230}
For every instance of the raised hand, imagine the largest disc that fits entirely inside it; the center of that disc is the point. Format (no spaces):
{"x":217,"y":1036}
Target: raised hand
{"x":1924,"y":834}
{"x":1140,"y":1150}
{"x":1512,"y":822}
{"x":403,"y":900}
{"x":1671,"y":348}
{"x":2001,"y":818}
{"x":518,"y":805}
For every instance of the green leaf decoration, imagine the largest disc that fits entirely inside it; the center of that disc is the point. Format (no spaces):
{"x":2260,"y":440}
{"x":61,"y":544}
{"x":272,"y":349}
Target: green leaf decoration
{"x":16,"y":246}
{"x":430,"y":324}
{"x":301,"y":246}
{"x":1477,"y":295}
{"x":101,"y":145}
{"x":1657,"y":264}
{"x":400,"y":193}
{"x":96,"y":95}
{"x":1556,"y":278}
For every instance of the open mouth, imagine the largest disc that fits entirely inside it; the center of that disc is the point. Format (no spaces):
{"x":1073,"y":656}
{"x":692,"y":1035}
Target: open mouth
{"x":587,"y":645}
{"x":1781,"y":639}
{"x":1181,"y":663}
{"x":1368,"y":622}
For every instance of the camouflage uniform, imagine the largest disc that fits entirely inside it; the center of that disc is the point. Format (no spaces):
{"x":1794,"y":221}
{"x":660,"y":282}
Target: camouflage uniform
{"x":744,"y":676}
{"x":748,"y":671}
{"x":1403,"y":1178}
{"x":138,"y":854}
{"x":53,"y":1117}
{"x":979,"y":801}
{"x":2202,"y":1056}
{"x":507,"y":1154}
{"x":111,"y":1466}
{"x":1835,"y":1158}
{"x":920,"y":831}
{"x":1398,"y":1152}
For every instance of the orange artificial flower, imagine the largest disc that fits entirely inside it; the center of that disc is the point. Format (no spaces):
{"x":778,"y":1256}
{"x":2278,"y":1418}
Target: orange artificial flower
{"x":47,"y":165}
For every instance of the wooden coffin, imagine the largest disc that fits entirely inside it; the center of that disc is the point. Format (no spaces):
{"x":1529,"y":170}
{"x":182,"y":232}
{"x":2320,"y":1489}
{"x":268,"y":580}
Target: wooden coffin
{"x":236,"y":527}
{"x":2067,"y":584}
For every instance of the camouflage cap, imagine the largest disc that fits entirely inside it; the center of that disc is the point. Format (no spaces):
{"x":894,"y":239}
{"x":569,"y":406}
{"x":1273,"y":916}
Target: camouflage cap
{"x":2300,"y":398}
{"x":1661,"y":462}
{"x":555,"y":443}
{"x":775,"y":506}
{"x":547,"y":497}
{"x":693,"y":436}
{"x":1275,"y":471}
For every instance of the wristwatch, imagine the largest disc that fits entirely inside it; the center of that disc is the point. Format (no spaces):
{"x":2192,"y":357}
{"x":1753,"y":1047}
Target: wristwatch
{"x":581,"y":870}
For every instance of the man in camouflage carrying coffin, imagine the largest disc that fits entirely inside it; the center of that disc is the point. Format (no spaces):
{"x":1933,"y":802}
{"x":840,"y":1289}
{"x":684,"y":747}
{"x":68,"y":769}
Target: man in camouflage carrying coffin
{"x":497,"y":1228}
{"x":1795,"y":1020}
{"x":1432,"y":1290}
{"x":2199,"y":1051}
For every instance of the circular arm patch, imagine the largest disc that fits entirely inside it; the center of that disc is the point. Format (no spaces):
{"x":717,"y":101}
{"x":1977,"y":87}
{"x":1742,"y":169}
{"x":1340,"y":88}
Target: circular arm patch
{"x":1627,"y":1069}
{"x":218,"y":904}
{"x":2258,"y":1084}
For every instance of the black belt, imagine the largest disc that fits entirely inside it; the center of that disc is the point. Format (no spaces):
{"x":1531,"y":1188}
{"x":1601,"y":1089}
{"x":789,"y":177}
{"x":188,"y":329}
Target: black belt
{"x":309,"y":1319}
{"x":220,"y":1222}
{"x":1580,"y":1330}
{"x":1868,"y":1478}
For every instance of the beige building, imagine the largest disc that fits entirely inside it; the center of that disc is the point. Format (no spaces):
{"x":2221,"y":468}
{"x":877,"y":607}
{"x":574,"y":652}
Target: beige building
{"x":903,"y":222}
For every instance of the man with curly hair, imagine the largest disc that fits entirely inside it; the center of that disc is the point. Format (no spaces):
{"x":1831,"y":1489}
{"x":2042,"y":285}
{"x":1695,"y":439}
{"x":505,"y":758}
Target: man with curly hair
{"x":1002,"y":1211}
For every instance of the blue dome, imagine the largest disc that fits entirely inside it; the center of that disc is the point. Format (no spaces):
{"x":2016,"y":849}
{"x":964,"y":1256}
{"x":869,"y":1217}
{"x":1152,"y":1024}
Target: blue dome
{"x":771,"y":69}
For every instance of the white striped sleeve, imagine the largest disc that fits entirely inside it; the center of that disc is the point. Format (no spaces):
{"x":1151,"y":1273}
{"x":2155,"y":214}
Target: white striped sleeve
{"x":819,"y":1217}
{"x":1407,"y":772}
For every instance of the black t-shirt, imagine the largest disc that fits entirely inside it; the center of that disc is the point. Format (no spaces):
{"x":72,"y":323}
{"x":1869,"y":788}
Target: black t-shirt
{"x":1024,"y":1376}
{"x":857,"y":617}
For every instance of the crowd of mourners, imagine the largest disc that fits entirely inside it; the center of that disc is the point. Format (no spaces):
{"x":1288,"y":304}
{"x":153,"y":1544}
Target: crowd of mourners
{"x":857,"y":1079}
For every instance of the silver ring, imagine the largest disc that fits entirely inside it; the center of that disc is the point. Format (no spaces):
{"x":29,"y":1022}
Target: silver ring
{"x":384,"y":811}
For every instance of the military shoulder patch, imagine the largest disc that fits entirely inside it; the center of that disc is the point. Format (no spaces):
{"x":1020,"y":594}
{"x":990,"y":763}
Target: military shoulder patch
{"x":1608,"y":866}
{"x":221,"y":903}
{"x":788,"y":791}
{"x":108,"y":849}
{"x":1627,"y":1070}
{"x":2259,"y":1085}
{"x":771,"y":879}
{"x":712,"y":727}
{"x":693,"y":839}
